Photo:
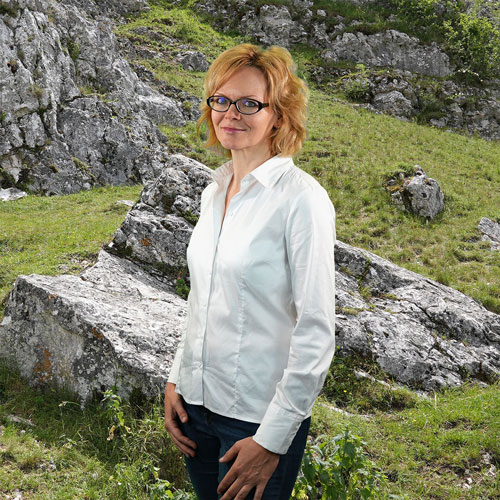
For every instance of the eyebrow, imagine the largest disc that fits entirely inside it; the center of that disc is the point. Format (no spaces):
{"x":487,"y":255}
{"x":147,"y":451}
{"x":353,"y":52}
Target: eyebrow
{"x":253,"y":96}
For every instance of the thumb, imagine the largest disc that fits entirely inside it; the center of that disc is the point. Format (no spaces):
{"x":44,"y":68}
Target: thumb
{"x":230,"y":454}
{"x":181,"y":412}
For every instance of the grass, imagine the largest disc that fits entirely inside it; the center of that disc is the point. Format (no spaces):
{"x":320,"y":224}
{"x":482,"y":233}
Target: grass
{"x":66,"y":453}
{"x":51,"y":235}
{"x":441,"y":447}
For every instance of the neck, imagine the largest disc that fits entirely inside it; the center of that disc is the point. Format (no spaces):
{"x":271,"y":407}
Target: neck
{"x":244,"y":162}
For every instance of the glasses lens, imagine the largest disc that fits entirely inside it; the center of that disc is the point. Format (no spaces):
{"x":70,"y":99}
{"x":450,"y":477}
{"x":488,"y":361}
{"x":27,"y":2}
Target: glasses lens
{"x":218,"y":103}
{"x":247,"y":106}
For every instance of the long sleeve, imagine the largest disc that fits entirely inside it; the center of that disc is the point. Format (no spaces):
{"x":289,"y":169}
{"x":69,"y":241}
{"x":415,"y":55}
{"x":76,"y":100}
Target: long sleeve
{"x":310,"y":240}
{"x":173,"y":375}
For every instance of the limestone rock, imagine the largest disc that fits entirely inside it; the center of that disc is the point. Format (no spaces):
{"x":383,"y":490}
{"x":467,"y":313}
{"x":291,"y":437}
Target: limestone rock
{"x":417,"y":193}
{"x":391,"y":48}
{"x":394,"y":103}
{"x":114,"y":324}
{"x":11,"y":194}
{"x":194,"y":60}
{"x":491,"y":232}
{"x":156,"y":231}
{"x":423,"y":333}
{"x":74,"y":115}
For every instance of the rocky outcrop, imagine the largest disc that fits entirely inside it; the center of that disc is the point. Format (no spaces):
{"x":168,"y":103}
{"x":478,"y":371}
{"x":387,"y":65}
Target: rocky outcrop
{"x":403,"y":91}
{"x":113,"y":324}
{"x":72,"y":114}
{"x":120,"y":321}
{"x":390,"y":49}
{"x":416,"y":193}
{"x":299,"y":23}
{"x":490,"y":232}
{"x":156,"y":231}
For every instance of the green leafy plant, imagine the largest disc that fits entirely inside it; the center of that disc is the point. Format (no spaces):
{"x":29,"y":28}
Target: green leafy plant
{"x":114,"y":411}
{"x":357,"y":85}
{"x":181,"y":287}
{"x":339,"y":469}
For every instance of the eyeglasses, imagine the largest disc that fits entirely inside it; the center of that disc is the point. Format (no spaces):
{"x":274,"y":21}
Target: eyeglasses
{"x":244,"y":105}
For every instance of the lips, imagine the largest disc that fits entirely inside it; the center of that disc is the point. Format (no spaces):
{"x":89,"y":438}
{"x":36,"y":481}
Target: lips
{"x":231,"y":130}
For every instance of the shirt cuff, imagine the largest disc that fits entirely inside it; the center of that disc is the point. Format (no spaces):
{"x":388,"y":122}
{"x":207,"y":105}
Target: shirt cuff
{"x":277,"y":429}
{"x":173,"y":375}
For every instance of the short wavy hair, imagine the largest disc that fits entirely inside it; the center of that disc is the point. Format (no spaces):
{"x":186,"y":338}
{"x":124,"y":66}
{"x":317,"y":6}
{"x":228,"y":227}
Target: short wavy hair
{"x":287,"y":94}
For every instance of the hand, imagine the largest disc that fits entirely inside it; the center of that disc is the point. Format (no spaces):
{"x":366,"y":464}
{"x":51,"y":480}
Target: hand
{"x":174,"y":409}
{"x":253,"y":467}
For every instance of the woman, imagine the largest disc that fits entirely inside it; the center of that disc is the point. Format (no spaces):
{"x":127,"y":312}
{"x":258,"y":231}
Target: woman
{"x":259,"y":336}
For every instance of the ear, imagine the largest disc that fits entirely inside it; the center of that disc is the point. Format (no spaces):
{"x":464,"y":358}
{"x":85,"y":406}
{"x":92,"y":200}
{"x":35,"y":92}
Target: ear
{"x":277,"y":123}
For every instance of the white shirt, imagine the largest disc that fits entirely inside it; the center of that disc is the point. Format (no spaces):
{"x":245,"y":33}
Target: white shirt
{"x":260,"y":330}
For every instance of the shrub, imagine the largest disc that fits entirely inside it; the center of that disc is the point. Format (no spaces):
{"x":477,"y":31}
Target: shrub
{"x":339,"y":469}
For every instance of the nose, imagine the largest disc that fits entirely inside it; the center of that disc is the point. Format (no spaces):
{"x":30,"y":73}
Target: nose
{"x":233,"y":111}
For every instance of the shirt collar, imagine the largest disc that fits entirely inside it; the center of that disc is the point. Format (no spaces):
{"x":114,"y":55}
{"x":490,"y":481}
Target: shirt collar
{"x":267,"y":173}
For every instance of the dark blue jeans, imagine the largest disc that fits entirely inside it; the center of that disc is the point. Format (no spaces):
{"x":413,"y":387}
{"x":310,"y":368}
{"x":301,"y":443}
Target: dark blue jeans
{"x":214,"y":434}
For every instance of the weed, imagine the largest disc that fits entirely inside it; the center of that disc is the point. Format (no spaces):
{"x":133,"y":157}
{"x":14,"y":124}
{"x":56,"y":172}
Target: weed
{"x":339,"y":469}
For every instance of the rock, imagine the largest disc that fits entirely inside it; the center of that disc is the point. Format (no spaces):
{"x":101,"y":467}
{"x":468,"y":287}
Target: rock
{"x":394,"y":103}
{"x":113,"y":324}
{"x":128,"y":203}
{"x":11,"y":194}
{"x":119,"y":322}
{"x":193,"y":61}
{"x":155,"y":233}
{"x":73,"y":115}
{"x":425,"y":334}
{"x":390,"y":48}
{"x":272,"y":26}
{"x":417,"y":193}
{"x":491,"y":232}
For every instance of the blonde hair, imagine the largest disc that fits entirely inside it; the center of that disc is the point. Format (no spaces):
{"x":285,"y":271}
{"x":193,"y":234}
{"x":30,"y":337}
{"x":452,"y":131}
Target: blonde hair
{"x":287,"y":94}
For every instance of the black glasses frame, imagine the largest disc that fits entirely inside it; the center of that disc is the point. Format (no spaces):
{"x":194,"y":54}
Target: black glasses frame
{"x":260,"y":104}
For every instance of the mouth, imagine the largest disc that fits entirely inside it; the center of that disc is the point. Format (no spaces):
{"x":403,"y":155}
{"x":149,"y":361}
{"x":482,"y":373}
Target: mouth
{"x":231,"y":130}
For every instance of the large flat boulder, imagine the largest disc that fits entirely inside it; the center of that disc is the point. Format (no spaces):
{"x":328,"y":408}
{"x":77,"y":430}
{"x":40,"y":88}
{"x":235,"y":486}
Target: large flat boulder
{"x":112,"y":325}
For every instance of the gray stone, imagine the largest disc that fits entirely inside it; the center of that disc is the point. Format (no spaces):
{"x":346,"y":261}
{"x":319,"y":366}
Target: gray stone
{"x":423,"y":333}
{"x":11,"y":194}
{"x":417,"y":193}
{"x":193,"y":61}
{"x":114,"y":324}
{"x":119,"y":322}
{"x":490,"y":231}
{"x":155,"y":233}
{"x":74,"y":115}
{"x":391,"y":48}
{"x":394,"y":103}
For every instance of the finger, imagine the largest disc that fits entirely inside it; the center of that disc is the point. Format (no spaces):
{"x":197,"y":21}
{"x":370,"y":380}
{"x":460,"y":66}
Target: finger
{"x":176,"y":432}
{"x":230,"y":454}
{"x":259,"y":491}
{"x":237,"y":491}
{"x":227,"y":480}
{"x":188,"y":452}
{"x":180,"y":411}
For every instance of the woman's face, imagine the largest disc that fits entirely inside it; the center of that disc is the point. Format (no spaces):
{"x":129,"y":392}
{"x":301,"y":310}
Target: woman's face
{"x":239,"y":132}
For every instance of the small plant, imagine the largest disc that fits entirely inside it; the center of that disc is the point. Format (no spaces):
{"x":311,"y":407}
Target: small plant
{"x":357,"y":85}
{"x":339,"y":469}
{"x":73,"y":49}
{"x":181,"y":287}
{"x":36,"y":91}
{"x":114,"y":412}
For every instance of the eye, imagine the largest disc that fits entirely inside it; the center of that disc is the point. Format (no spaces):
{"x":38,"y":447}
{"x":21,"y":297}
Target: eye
{"x":250,"y":103}
{"x":219,"y":100}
